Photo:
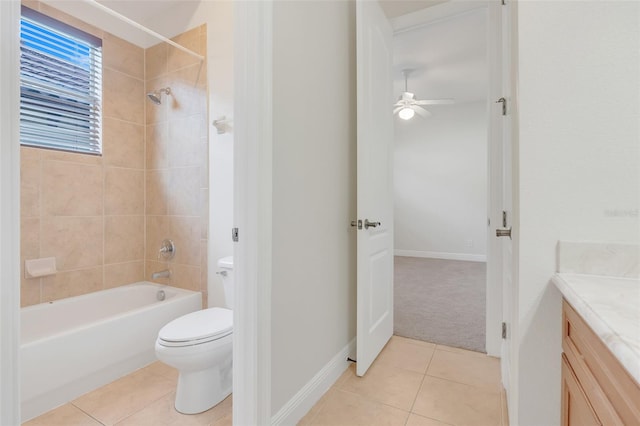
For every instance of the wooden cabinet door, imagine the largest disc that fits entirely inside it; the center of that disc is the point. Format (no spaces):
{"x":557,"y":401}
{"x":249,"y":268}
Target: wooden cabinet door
{"x":576,"y":410}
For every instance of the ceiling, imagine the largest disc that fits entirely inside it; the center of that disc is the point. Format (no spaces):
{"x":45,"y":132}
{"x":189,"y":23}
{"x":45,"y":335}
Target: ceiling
{"x":448,"y":57}
{"x":140,"y":11}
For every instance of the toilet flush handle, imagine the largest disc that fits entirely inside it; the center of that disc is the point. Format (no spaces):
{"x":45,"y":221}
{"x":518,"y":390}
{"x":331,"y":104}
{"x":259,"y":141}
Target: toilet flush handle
{"x":223,"y":273}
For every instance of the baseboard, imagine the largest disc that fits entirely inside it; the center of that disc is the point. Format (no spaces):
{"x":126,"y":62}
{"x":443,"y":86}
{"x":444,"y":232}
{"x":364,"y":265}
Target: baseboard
{"x":301,"y":403}
{"x":442,"y":255}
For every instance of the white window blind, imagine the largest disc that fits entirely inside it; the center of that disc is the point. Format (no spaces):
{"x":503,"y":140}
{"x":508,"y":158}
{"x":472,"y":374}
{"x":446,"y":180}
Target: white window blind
{"x":60,"y":85}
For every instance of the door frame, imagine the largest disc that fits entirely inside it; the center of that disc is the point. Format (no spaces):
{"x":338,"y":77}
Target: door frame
{"x":10,"y":213}
{"x":253,"y":29}
{"x":439,"y":13}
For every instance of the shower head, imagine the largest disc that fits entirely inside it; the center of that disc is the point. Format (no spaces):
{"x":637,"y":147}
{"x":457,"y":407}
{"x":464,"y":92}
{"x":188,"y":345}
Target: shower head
{"x":156,"y":95}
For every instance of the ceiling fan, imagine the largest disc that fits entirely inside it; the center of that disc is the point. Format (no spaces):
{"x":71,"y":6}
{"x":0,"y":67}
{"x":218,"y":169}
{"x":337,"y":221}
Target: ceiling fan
{"x":408,"y":105}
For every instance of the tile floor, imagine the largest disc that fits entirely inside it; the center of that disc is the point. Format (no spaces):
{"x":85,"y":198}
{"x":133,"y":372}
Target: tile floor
{"x":412,"y":383}
{"x":143,"y":398}
{"x":416,"y":383}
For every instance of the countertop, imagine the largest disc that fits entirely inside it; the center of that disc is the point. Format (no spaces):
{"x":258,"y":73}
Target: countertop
{"x":611,"y":307}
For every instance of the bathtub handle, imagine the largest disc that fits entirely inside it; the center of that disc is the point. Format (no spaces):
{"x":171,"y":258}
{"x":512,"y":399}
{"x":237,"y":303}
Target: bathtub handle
{"x":167,"y":249}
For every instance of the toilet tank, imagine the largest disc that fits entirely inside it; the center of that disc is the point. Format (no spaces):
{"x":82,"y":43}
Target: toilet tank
{"x":225,"y":268}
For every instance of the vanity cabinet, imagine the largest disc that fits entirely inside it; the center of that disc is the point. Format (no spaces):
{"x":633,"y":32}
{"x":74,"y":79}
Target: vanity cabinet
{"x":596,"y":389}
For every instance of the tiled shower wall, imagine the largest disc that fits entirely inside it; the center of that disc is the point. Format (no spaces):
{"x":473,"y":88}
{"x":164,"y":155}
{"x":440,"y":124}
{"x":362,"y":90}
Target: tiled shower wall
{"x":177,"y":161}
{"x":89,"y":211}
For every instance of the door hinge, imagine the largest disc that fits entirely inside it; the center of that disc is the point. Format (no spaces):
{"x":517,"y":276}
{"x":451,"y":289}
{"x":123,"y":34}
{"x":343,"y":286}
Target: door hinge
{"x":504,"y":2}
{"x":234,"y":235}
{"x":504,"y":219}
{"x":504,"y":330}
{"x":503,"y":101}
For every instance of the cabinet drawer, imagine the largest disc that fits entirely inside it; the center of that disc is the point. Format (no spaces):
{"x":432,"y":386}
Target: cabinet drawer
{"x":576,"y":409}
{"x":614,"y":395}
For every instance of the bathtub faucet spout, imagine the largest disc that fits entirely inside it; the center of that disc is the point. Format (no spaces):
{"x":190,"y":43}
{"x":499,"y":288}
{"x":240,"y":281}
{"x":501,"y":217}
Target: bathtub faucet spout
{"x":161,"y":274}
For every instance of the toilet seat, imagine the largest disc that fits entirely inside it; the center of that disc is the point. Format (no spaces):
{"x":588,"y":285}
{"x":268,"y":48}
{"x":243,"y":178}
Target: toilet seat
{"x":197,"y":327}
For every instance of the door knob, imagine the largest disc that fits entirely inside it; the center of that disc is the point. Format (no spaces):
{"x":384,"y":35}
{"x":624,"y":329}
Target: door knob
{"x":503,"y":233}
{"x":368,"y":224}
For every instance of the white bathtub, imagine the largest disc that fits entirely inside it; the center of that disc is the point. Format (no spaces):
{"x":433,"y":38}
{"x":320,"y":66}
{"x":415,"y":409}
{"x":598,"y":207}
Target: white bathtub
{"x":72,"y":346}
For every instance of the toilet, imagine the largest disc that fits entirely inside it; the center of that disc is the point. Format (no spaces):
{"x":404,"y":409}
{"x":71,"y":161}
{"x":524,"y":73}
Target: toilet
{"x":199,"y":346}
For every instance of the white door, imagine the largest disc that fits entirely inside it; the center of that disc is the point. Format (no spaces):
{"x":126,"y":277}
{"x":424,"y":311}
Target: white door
{"x":508,"y":302}
{"x":375,"y":190}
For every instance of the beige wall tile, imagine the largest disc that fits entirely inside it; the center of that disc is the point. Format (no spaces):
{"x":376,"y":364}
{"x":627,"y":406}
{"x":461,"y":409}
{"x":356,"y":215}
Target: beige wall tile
{"x":182,"y":276}
{"x":124,"y":191}
{"x":188,"y":90}
{"x":123,"y":144}
{"x":71,"y":157}
{"x":72,"y":283}
{"x":157,"y":191}
{"x":29,"y":153}
{"x":185,"y":276}
{"x":31,"y":4}
{"x":30,"y":237}
{"x":157,"y":143}
{"x":184,"y":192}
{"x":185,"y":233}
{"x":122,"y":56}
{"x":158,"y":228}
{"x":29,"y":290}
{"x":204,"y":267}
{"x":71,"y":189}
{"x":75,"y":242}
{"x":151,"y":266}
{"x":30,"y":173}
{"x":204,"y":213}
{"x":185,"y":146}
{"x":119,"y":274}
{"x":155,"y":61}
{"x":123,"y":96}
{"x":123,"y":238}
{"x":204,"y":167}
{"x":176,"y":58}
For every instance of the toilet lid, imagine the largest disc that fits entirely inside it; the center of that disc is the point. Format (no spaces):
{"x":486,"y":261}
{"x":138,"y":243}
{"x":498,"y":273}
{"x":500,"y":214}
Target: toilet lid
{"x":198,"y":327}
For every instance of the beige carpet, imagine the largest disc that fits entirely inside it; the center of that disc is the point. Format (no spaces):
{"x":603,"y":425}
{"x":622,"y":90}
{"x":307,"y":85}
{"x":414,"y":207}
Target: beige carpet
{"x":440,"y":301}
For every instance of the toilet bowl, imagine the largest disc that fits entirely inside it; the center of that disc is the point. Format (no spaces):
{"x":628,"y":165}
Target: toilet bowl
{"x":199,"y":346}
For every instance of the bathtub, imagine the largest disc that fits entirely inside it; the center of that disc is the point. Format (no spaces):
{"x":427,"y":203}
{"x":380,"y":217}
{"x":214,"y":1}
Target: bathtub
{"x":72,"y":346}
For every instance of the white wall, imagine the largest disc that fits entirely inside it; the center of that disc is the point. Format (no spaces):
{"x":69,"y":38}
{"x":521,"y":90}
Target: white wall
{"x":579,"y":164}
{"x":314,"y":124}
{"x":440,"y":183}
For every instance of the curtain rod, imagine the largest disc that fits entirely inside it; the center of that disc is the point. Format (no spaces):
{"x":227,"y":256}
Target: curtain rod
{"x":143,"y":28}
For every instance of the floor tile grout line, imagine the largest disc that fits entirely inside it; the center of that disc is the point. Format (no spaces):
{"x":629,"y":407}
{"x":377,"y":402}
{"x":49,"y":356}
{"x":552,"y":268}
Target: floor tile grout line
{"x":142,"y":408}
{"x":480,"y":388}
{"x":71,"y":402}
{"x":375,"y":401}
{"x":421,"y":383}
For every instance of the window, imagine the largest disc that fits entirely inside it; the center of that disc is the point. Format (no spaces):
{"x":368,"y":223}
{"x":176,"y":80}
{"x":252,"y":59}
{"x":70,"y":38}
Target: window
{"x":60,"y":85}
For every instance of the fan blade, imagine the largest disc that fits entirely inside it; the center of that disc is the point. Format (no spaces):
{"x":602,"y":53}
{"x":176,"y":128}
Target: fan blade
{"x":421,"y":111}
{"x":435,"y":102}
{"x":399,"y":103}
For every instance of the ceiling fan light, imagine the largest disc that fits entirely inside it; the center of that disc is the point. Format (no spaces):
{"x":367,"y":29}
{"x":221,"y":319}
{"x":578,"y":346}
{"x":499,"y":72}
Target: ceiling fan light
{"x":406,"y":113}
